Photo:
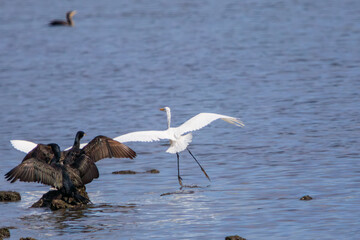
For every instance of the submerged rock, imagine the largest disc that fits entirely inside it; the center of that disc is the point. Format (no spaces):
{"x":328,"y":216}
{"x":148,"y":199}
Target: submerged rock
{"x":133,"y":172}
{"x":125,"y":172}
{"x":236,"y":237}
{"x":27,"y":238}
{"x":4,"y":233}
{"x":178,"y":192}
{"x":55,"y":200}
{"x":306,"y":198}
{"x":9,"y":196}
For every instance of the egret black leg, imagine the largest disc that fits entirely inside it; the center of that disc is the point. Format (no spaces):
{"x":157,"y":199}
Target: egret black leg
{"x":202,"y":169}
{"x":179,"y":178}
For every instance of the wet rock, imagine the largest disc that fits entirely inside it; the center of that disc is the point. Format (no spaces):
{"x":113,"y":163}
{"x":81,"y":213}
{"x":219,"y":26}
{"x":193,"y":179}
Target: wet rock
{"x":124,"y":172}
{"x":27,"y":238}
{"x":55,"y":200}
{"x":236,"y":237}
{"x":4,"y":233}
{"x":9,"y":196}
{"x":153,"y":171}
{"x":178,"y":192}
{"x":306,"y":198}
{"x":133,"y":172}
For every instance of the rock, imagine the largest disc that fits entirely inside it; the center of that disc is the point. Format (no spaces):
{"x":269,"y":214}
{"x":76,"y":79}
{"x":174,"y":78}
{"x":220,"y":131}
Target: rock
{"x":9,"y":196}
{"x":178,"y":192}
{"x":153,"y":171}
{"x":27,"y":238}
{"x":55,"y":200}
{"x":133,"y":172}
{"x":306,"y":198}
{"x":124,"y":172}
{"x":236,"y":237}
{"x":4,"y":233}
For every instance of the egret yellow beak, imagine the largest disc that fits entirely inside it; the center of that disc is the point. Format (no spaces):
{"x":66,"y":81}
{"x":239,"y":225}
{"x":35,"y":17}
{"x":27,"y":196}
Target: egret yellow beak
{"x":162,"y":109}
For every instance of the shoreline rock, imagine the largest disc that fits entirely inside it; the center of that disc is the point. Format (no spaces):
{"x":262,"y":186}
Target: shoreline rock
{"x":235,"y":237}
{"x":4,"y":233}
{"x":306,"y":198}
{"x":55,"y":200}
{"x":123,"y":172}
{"x":9,"y":196}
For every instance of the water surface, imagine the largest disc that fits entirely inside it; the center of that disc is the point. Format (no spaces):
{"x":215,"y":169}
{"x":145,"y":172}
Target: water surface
{"x":288,"y":69}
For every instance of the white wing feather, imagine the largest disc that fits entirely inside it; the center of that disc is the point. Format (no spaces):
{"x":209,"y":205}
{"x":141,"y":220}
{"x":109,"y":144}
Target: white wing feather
{"x":203,"y":119}
{"x":27,"y":146}
{"x":143,"y":136}
{"x":23,"y":145}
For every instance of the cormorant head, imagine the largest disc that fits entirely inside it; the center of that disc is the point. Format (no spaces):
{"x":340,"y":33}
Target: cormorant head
{"x":70,"y":13}
{"x":56,"y":150}
{"x":80,"y":135}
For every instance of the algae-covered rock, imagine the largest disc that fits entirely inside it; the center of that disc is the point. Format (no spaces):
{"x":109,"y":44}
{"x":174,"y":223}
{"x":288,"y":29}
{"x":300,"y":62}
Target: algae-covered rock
{"x":124,"y":172}
{"x":306,"y":198}
{"x":134,"y":172}
{"x":9,"y":196}
{"x":153,"y":171}
{"x":4,"y":233}
{"x":55,"y":200}
{"x":235,"y":237}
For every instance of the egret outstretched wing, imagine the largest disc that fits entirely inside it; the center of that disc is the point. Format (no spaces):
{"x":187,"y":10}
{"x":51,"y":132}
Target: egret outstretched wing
{"x":143,"y":136}
{"x":203,"y":119}
{"x":23,"y":145}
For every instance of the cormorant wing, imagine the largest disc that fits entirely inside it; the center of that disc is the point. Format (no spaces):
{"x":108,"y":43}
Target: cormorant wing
{"x":35,"y":170}
{"x":41,"y":152}
{"x":86,"y":167}
{"x":103,"y":147}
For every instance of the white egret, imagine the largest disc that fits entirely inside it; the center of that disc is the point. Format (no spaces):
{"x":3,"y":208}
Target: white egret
{"x":180,"y":137}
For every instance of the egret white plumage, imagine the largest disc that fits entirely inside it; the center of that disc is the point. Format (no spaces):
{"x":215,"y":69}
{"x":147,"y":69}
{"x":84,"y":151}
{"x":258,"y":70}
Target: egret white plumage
{"x":180,"y":137}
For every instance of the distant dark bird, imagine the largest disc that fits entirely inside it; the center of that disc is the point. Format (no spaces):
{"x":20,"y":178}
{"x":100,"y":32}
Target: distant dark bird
{"x":69,"y":169}
{"x":69,"y":22}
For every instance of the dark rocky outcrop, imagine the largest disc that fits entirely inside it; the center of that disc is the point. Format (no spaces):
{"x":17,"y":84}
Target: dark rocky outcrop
{"x":55,"y":200}
{"x":124,"y":172}
{"x":9,"y":196}
{"x":306,"y":198}
{"x":4,"y":233}
{"x":27,"y":238}
{"x":178,"y":192}
{"x":153,"y":171}
{"x":236,"y":237}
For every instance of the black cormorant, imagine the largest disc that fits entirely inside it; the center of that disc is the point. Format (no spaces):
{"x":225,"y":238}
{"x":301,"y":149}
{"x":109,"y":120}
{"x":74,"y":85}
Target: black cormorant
{"x":69,"y":22}
{"x":69,"y":169}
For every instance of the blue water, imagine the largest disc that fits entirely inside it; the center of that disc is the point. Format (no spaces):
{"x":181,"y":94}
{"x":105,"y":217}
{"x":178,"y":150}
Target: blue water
{"x":288,"y":69}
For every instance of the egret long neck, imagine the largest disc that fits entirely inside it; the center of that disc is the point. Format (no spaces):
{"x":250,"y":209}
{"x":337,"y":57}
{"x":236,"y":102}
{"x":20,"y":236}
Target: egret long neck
{"x":168,"y":114}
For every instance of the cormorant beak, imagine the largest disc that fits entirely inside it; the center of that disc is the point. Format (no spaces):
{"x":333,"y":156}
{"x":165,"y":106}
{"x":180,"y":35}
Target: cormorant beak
{"x":162,"y":109}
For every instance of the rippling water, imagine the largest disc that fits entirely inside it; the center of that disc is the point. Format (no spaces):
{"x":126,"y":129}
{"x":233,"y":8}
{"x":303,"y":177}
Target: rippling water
{"x":288,"y":69}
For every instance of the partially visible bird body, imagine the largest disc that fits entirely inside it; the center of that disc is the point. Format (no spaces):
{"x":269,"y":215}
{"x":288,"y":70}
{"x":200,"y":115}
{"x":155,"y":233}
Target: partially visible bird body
{"x":69,"y":21}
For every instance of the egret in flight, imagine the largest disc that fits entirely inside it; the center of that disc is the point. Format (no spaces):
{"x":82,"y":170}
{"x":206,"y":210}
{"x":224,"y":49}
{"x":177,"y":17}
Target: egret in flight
{"x":180,"y":137}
